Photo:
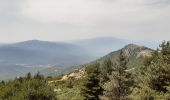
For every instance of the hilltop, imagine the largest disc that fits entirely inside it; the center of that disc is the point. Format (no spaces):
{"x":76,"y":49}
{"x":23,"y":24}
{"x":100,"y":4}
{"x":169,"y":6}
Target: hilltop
{"x":136,"y":56}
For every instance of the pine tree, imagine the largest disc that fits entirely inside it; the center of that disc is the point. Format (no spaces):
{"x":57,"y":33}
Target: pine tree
{"x":3,"y":82}
{"x":118,"y":87}
{"x":160,"y":73}
{"x":108,"y":66}
{"x":106,"y":70}
{"x":28,"y":75}
{"x":153,"y":80}
{"x":39,"y":76}
{"x":91,"y":89}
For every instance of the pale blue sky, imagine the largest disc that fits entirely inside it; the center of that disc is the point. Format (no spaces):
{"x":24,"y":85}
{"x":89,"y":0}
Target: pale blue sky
{"x":59,"y":20}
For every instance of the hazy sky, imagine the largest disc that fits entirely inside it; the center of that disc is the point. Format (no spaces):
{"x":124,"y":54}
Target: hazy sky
{"x":58,"y":20}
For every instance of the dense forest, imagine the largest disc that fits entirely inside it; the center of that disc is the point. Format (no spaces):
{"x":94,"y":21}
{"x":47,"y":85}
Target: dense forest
{"x":111,"y":80}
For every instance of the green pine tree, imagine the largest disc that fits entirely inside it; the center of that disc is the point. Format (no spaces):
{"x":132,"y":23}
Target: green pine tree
{"x":106,"y":70}
{"x":28,"y":75}
{"x":118,"y":87}
{"x":91,"y":89}
{"x":153,"y":80}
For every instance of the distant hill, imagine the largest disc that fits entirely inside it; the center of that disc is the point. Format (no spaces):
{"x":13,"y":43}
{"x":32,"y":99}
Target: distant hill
{"x":136,"y":56}
{"x":42,"y":52}
{"x":34,"y":54}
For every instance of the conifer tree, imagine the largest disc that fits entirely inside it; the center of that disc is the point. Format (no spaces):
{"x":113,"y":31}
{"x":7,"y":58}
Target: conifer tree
{"x":3,"y":82}
{"x":91,"y":89}
{"x":118,"y":87}
{"x":28,"y":75}
{"x":154,"y":81}
{"x":106,"y":70}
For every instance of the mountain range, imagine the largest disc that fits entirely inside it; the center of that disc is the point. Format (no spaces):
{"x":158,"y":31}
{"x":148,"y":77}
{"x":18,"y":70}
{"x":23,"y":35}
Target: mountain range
{"x":18,"y":58}
{"x":47,"y":57}
{"x":135,"y":54}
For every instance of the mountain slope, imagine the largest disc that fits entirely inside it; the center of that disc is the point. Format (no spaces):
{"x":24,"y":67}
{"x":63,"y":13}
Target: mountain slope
{"x":135,"y":54}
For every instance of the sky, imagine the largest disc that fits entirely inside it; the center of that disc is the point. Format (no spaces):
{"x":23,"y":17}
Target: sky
{"x":60,"y":20}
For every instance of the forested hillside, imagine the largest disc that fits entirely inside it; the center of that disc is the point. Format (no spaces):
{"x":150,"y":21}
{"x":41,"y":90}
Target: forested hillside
{"x":113,"y":79}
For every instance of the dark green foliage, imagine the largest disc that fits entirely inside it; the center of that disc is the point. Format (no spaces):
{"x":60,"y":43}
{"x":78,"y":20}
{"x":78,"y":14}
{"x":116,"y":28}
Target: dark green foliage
{"x":153,"y":79}
{"x":27,"y":88}
{"x":118,"y":88}
{"x":106,"y":70}
{"x":161,"y":76}
{"x":2,"y":82}
{"x":28,"y":76}
{"x":39,"y":76}
{"x":108,"y":66}
{"x":91,"y":88}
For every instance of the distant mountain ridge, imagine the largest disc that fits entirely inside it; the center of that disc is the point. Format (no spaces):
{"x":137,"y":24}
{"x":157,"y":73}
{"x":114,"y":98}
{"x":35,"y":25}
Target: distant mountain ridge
{"x":41,"y":52}
{"x":30,"y":56}
{"x":135,"y":54}
{"x":36,"y":55}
